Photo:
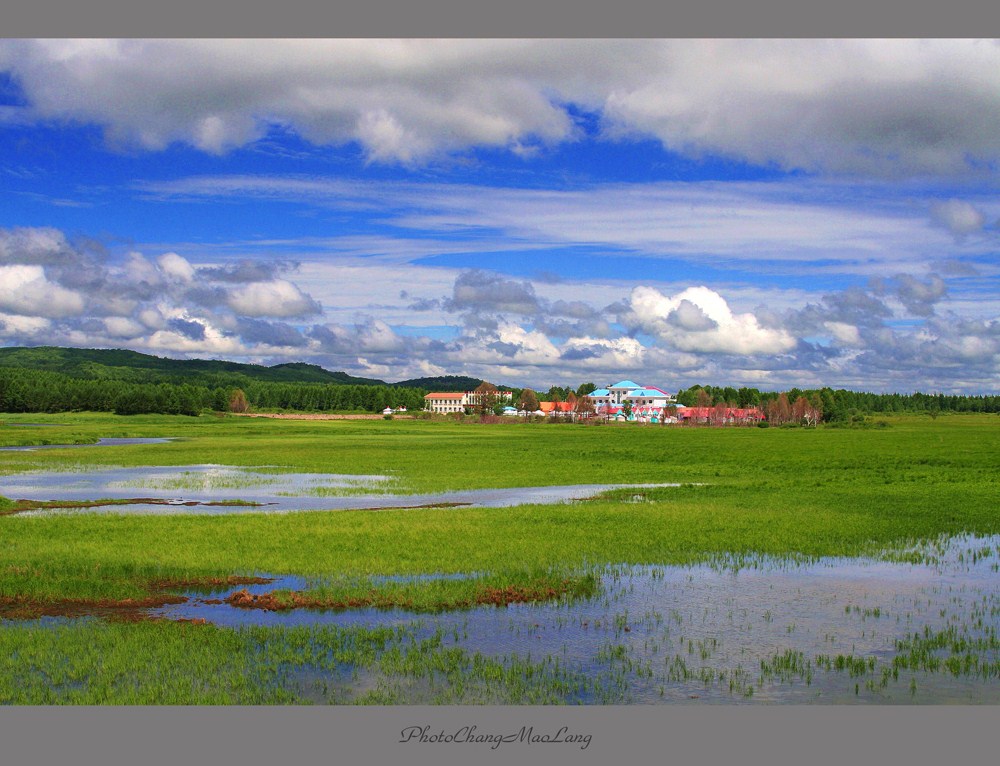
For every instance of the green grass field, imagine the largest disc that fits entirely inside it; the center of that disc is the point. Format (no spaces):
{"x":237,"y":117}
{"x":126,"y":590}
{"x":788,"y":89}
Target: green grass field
{"x":748,"y":493}
{"x":810,"y":492}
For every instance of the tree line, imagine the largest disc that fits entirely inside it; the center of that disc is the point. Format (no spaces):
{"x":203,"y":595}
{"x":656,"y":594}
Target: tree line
{"x":42,"y":391}
{"x":795,"y":404}
{"x":32,"y":390}
{"x":834,"y":405}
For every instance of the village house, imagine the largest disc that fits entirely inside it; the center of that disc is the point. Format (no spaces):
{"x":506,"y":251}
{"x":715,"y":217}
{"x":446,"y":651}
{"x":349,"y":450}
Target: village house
{"x":647,"y":403}
{"x":454,"y":401}
{"x":445,"y":402}
{"x":623,"y":401}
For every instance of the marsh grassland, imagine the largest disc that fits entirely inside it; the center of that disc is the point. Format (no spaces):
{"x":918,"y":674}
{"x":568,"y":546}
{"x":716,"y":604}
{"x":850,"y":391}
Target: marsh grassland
{"x":790,"y":565}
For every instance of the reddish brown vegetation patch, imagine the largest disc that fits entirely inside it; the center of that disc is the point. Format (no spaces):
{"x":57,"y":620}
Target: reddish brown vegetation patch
{"x":513,"y":594}
{"x":279,"y":602}
{"x":127,"y":609}
{"x":210,"y":582}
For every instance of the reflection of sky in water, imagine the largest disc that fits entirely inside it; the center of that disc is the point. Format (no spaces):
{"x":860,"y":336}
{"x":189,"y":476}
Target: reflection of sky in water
{"x":275,"y":491}
{"x":722,"y":620}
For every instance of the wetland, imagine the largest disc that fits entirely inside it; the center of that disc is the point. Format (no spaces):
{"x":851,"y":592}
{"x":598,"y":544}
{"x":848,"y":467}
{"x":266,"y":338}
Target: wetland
{"x":694,"y":566}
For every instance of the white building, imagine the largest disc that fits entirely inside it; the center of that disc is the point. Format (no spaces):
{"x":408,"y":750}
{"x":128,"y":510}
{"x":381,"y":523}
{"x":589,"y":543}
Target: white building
{"x":445,"y":402}
{"x":616,"y":395}
{"x":455,"y":401}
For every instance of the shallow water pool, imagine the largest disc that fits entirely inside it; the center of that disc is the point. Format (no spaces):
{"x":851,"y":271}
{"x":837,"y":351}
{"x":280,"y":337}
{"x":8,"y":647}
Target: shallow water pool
{"x":831,"y":631}
{"x":269,"y":491}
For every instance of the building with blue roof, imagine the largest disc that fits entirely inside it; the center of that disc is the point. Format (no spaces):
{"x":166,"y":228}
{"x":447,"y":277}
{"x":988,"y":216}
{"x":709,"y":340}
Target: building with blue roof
{"x":627,"y":390}
{"x":627,"y":385}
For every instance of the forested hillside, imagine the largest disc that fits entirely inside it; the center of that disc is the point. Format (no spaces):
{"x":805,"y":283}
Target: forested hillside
{"x":48,"y":379}
{"x":120,"y":364}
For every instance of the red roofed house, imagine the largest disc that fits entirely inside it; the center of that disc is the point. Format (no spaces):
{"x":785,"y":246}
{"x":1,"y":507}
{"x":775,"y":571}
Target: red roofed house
{"x":556,"y":408}
{"x":445,"y":402}
{"x":457,"y":401}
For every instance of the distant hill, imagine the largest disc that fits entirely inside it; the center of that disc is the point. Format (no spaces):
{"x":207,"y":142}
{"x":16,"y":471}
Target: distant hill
{"x":441,"y":383}
{"x":120,"y":364}
{"x":132,"y":366}
{"x":301,"y":372}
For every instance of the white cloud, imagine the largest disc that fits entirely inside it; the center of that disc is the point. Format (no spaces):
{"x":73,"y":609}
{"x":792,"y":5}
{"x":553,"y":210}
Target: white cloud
{"x":959,"y":217}
{"x":845,"y":228}
{"x":176,"y":267}
{"x":31,"y":244}
{"x":845,"y":334}
{"x":841,"y":105}
{"x":213,"y":343}
{"x":25,"y":290}
{"x":378,"y":336}
{"x":20,"y":327}
{"x":277,"y":298}
{"x":138,"y":269}
{"x":123,"y":327}
{"x":672,"y":319}
{"x":604,"y":354}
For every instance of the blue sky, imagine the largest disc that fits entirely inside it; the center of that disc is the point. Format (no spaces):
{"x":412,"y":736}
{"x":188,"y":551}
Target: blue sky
{"x":768,"y":213}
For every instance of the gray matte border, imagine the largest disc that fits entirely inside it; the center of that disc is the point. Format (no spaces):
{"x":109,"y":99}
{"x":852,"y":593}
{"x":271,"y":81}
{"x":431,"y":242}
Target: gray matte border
{"x":506,"y":18}
{"x":728,"y":734}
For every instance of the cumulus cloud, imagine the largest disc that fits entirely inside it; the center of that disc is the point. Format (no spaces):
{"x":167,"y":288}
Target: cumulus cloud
{"x":29,"y":245}
{"x":20,"y":328}
{"x":897,"y":332}
{"x":845,"y":334}
{"x":700,"y":320}
{"x":958,"y":217}
{"x":841,"y":105}
{"x":918,"y":296}
{"x":164,"y":303}
{"x":123,"y":328}
{"x":277,"y":334}
{"x":188,"y":328}
{"x":247,"y":270}
{"x":368,"y":335}
{"x":510,"y":343}
{"x":605,"y":354}
{"x":26,"y":290}
{"x":176,"y":267}
{"x":478,"y":291}
{"x":277,"y":298}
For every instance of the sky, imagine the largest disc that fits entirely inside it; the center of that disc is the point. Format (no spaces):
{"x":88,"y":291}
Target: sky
{"x":767,"y":213}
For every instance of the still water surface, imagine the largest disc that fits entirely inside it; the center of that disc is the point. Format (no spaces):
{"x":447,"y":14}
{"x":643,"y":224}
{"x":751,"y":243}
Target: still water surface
{"x":272,"y":492}
{"x":760,"y":634}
